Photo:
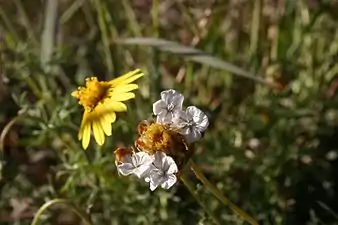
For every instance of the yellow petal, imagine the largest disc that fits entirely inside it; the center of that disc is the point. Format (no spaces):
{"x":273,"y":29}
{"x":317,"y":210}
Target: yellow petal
{"x":125,"y":88}
{"x":98,"y":131}
{"x":118,"y":106}
{"x":83,"y":122}
{"x":131,"y":79}
{"x":75,"y":94}
{"x":107,"y":111}
{"x":101,"y":110}
{"x":86,"y":135}
{"x":106,"y":125}
{"x":127,"y":78}
{"x":80,"y":134}
{"x":111,"y":117}
{"x":119,"y":97}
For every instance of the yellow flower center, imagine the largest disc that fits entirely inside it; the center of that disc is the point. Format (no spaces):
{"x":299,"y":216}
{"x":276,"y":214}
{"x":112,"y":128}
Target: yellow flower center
{"x":158,"y":137}
{"x":93,"y":93}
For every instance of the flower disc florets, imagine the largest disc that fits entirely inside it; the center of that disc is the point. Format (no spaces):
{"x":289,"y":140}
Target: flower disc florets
{"x":162,"y":146}
{"x":159,"y":137}
{"x":92,"y":93}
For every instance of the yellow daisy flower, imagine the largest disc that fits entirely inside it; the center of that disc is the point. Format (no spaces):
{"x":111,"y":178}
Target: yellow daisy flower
{"x":100,"y":100}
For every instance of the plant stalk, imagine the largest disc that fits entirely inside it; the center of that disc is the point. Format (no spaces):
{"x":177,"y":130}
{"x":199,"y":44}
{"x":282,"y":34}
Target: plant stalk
{"x":219,"y":195}
{"x":50,"y":203}
{"x":190,"y":188}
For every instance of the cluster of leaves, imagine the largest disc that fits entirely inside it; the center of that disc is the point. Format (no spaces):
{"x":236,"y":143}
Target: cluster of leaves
{"x":271,"y":146}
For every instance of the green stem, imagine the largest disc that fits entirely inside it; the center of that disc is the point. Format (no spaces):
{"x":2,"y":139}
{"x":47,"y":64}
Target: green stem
{"x":155,"y":75}
{"x":6,"y":129}
{"x":190,"y":188}
{"x":48,"y":204}
{"x":25,"y":20}
{"x":9,"y":25}
{"x":155,"y":15}
{"x":96,"y":190}
{"x":100,"y":8}
{"x":254,"y":36}
{"x":220,"y":196}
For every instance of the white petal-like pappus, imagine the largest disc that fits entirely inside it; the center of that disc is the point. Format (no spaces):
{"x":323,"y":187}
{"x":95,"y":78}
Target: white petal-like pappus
{"x":141,"y":171}
{"x":199,"y":118}
{"x":163,"y":172}
{"x":125,"y":169}
{"x":137,"y":164}
{"x":159,"y":106}
{"x":155,"y":178}
{"x":172,"y":97}
{"x":190,"y":123}
{"x":194,"y":135}
{"x":171,"y":101}
{"x":171,"y":180}
{"x":164,"y":117}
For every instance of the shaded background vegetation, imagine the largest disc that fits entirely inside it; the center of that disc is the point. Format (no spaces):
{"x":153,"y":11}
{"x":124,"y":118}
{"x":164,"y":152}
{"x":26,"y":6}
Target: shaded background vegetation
{"x":272,"y":144}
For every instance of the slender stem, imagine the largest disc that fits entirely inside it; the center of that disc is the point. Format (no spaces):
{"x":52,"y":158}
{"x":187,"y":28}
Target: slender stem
{"x":96,"y":190}
{"x":48,"y":204}
{"x":220,"y":196}
{"x":254,"y":36}
{"x":155,"y":15}
{"x":6,"y":129}
{"x":100,"y":8}
{"x":70,"y":12}
{"x":9,"y":25}
{"x":131,"y":16}
{"x":25,"y":20}
{"x":48,"y":37}
{"x":155,"y":75}
{"x":190,"y":188}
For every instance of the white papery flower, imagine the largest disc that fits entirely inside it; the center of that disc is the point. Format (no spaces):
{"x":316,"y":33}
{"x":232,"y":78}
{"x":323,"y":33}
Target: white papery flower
{"x":162,"y":172}
{"x":138,"y":164}
{"x":191,"y":123}
{"x":171,"y":101}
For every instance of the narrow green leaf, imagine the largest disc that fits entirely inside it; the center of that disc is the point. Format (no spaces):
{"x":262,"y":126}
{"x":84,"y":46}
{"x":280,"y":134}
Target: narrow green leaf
{"x":195,"y":55}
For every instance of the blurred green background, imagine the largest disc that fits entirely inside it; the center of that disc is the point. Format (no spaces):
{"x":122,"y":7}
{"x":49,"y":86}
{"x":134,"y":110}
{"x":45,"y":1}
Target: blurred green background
{"x":265,"y":72}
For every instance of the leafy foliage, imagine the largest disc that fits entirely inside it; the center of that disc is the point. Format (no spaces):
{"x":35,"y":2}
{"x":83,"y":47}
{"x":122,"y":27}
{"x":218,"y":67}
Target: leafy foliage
{"x":271,"y":149}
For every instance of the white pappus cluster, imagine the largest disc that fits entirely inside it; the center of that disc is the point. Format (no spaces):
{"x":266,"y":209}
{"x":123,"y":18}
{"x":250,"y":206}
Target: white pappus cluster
{"x":160,"y":169}
{"x":191,"y":123}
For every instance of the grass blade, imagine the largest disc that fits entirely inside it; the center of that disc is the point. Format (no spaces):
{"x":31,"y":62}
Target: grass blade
{"x":48,"y":33}
{"x":195,"y":55}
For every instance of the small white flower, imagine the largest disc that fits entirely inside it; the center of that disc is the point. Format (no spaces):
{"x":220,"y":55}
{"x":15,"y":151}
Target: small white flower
{"x":163,"y":172}
{"x":171,"y":101}
{"x":138,"y":164}
{"x":191,"y":123}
